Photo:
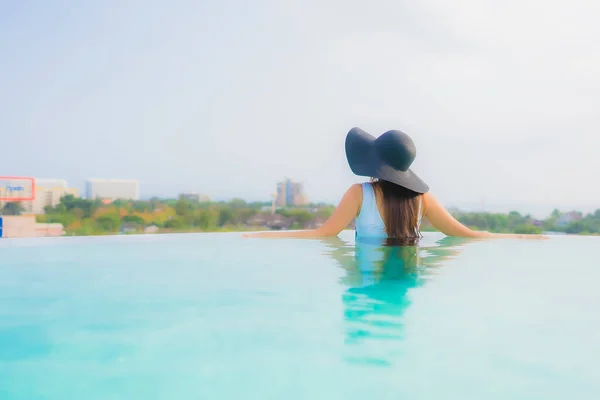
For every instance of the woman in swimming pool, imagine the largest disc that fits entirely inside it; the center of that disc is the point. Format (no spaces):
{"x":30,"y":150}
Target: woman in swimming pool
{"x":392,"y":205}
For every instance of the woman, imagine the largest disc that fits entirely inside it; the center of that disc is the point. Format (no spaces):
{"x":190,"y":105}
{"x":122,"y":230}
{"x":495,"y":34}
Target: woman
{"x":393,"y":204}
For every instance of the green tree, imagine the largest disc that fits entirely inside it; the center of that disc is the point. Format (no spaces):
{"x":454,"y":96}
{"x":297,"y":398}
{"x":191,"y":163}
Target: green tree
{"x":237,"y":203}
{"x":183,"y":207}
{"x":88,"y":227}
{"x":527,"y":229}
{"x":78,"y":212}
{"x":108,"y":222}
{"x":65,"y":219}
{"x":575,"y":227}
{"x":142,"y":206}
{"x":133,"y":219}
{"x":70,"y":202}
{"x":325,"y":212}
{"x":175,"y":223}
{"x":122,"y":203}
{"x":12,"y":208}
{"x":225,"y":216}
{"x":158,"y":224}
{"x":555,"y":213}
{"x":514,"y":219}
{"x":207,"y":219}
{"x":155,"y":203}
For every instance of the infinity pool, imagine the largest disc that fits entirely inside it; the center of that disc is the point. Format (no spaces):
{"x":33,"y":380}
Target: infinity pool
{"x":214,"y":316}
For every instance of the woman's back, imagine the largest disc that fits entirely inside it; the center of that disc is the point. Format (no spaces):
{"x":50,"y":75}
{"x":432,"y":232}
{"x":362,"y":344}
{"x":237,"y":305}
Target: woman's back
{"x":369,"y":222}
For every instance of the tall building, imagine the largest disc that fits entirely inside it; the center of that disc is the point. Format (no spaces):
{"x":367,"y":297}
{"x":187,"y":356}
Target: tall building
{"x":112,"y":189}
{"x":196,"y":197}
{"x":48,"y":193}
{"x":290,"y":193}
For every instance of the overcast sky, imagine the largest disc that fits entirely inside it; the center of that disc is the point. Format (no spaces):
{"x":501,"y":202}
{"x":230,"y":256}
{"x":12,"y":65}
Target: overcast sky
{"x":226,"y":98}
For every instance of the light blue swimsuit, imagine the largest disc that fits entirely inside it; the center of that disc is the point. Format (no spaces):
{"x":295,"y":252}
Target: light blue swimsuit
{"x":369,"y":223}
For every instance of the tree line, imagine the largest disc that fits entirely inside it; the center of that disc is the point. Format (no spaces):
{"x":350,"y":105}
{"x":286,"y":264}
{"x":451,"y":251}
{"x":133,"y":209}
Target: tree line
{"x":89,"y":217}
{"x":572,"y":222}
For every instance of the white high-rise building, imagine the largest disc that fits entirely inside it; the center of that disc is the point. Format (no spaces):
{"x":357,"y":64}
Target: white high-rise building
{"x":112,"y":189}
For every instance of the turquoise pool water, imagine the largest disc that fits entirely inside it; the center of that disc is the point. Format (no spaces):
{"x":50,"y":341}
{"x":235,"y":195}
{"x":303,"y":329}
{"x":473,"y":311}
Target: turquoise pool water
{"x":214,"y":316}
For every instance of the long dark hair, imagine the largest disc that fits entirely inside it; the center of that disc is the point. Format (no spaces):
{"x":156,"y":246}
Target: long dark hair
{"x":401,"y":208}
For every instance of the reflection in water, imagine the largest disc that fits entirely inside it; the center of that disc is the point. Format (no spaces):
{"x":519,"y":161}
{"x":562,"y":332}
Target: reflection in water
{"x":378,"y":278}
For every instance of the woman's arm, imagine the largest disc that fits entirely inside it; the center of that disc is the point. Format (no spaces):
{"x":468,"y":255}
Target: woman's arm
{"x":442,"y":220}
{"x":341,"y":217}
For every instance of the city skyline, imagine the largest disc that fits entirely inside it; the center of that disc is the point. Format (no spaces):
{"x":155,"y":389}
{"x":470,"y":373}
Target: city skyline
{"x":536,"y":210}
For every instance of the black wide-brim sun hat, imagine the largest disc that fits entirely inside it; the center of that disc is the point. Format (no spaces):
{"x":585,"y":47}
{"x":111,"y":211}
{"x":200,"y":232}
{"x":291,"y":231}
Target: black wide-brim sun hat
{"x":388,"y":157}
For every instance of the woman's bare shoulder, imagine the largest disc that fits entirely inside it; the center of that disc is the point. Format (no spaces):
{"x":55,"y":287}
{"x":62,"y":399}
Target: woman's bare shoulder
{"x":355,"y":189}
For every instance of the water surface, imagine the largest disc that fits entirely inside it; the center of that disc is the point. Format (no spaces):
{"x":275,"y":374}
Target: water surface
{"x":214,"y":316}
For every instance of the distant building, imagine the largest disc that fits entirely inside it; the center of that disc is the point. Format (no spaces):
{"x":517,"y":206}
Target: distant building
{"x":17,"y":226}
{"x":290,"y":193}
{"x":48,"y":193}
{"x":196,"y":197}
{"x":21,"y":226}
{"x":151,"y":229}
{"x":112,"y":189}
{"x":49,"y":230}
{"x":129,"y":227}
{"x":566,"y":218}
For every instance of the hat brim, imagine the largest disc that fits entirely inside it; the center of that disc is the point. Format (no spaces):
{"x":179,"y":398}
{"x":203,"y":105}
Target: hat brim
{"x":365,"y":161}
